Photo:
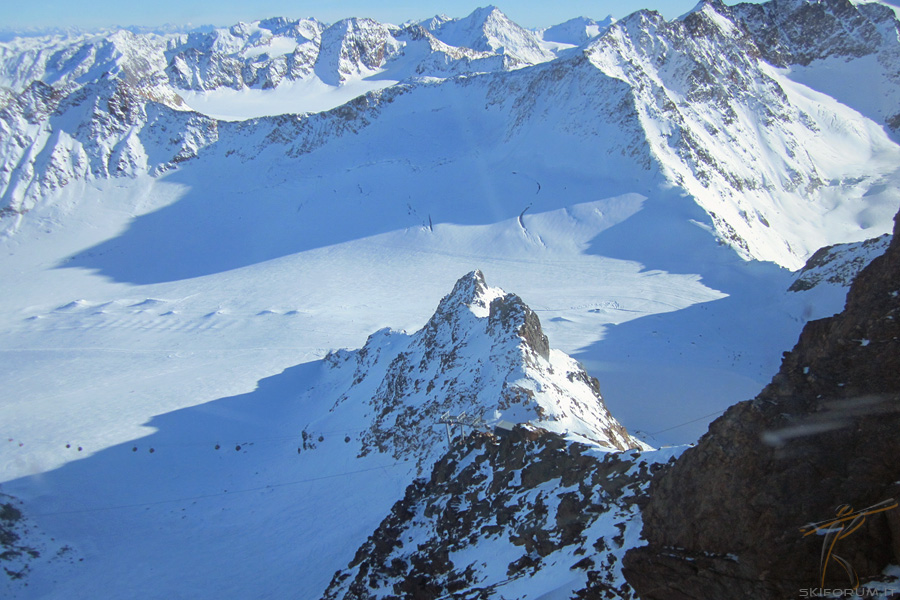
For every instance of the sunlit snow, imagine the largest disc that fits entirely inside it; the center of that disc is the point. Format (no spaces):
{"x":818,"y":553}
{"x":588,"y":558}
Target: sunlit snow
{"x":163,"y":330}
{"x":292,"y":97}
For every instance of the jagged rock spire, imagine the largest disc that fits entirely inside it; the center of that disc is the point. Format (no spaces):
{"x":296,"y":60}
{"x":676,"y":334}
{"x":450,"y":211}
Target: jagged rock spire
{"x":482,"y":353}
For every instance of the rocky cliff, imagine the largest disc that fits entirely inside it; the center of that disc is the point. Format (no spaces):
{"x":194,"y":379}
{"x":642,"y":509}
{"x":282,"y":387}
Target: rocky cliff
{"x":519,"y":515}
{"x":725,"y":521}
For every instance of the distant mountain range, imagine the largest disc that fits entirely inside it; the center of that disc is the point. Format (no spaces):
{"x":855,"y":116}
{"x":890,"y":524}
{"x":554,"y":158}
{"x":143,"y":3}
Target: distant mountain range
{"x":709,"y":103}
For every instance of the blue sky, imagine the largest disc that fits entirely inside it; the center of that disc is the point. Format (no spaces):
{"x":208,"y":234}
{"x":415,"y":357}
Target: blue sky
{"x":16,"y":14}
{"x":96,"y":13}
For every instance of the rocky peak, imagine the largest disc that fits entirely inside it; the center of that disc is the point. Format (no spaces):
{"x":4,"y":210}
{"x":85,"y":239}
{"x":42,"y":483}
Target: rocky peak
{"x":460,"y":311}
{"x":482,"y":16}
{"x":488,"y":29}
{"x":435,"y":22}
{"x":351,"y":47}
{"x":470,"y":292}
{"x":482,"y":354}
{"x":509,"y":314}
{"x":509,"y":319}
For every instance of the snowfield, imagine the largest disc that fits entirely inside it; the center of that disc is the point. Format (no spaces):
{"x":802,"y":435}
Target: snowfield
{"x":175,"y":280}
{"x":290,"y":98}
{"x":95,"y":367}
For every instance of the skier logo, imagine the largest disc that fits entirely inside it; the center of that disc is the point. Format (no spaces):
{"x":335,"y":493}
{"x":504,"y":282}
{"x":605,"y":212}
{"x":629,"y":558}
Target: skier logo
{"x":845,"y":523}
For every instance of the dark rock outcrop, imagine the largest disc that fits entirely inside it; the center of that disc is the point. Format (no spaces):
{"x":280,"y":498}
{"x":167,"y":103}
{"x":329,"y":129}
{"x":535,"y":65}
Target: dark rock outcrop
{"x":508,"y":311}
{"x":725,"y":521}
{"x":497,"y":511}
{"x":797,"y":33}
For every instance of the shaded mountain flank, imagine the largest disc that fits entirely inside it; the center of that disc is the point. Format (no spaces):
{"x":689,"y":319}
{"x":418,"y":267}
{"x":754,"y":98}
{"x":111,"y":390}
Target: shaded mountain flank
{"x":819,"y":442}
{"x":720,"y":103}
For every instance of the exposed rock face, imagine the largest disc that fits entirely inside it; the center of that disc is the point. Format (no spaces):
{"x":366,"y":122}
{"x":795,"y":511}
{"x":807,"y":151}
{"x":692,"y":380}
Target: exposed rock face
{"x":482,"y":353}
{"x":790,"y":32}
{"x":725,"y":521}
{"x":495,"y":512}
{"x":353,"y":47}
{"x":839,"y":264}
{"x":115,"y":122}
{"x":511,"y":314}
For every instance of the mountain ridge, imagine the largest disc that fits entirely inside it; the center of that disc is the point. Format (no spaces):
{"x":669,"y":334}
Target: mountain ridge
{"x":483,"y":354}
{"x":194,"y":223}
{"x":707,"y":63}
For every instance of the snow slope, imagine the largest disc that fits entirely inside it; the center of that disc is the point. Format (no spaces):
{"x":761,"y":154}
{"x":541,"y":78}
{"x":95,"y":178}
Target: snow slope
{"x":182,"y":365}
{"x":177,"y":279}
{"x":480,"y":196}
{"x":329,"y":430}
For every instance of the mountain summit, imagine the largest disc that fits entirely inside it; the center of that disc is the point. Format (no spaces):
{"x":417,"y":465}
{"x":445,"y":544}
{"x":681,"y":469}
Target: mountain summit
{"x":488,"y":29}
{"x":482,"y":354}
{"x":191,"y":222}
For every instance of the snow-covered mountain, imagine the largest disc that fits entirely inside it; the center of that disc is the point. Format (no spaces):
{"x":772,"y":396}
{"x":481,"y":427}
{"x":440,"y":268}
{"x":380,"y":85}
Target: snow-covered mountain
{"x":839,"y":265}
{"x":261,"y":54}
{"x":708,"y":101}
{"x":489,"y":30}
{"x":524,"y":515}
{"x":575,"y":32}
{"x":339,"y":420}
{"x":743,"y":138}
{"x":482,"y":354}
{"x":194,"y":223}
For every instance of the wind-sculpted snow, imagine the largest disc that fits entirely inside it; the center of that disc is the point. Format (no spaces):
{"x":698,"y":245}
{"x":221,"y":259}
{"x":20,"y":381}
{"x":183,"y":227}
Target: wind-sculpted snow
{"x":483,"y":354}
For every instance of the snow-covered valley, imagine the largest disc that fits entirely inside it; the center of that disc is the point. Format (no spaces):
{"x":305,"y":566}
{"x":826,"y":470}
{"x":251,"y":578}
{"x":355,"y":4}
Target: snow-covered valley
{"x":177,"y":285}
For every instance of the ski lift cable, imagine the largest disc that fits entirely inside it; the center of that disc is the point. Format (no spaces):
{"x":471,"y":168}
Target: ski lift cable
{"x":718,"y":412}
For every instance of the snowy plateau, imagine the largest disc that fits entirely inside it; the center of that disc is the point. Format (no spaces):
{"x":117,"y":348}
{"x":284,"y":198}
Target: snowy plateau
{"x":250,"y":272}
